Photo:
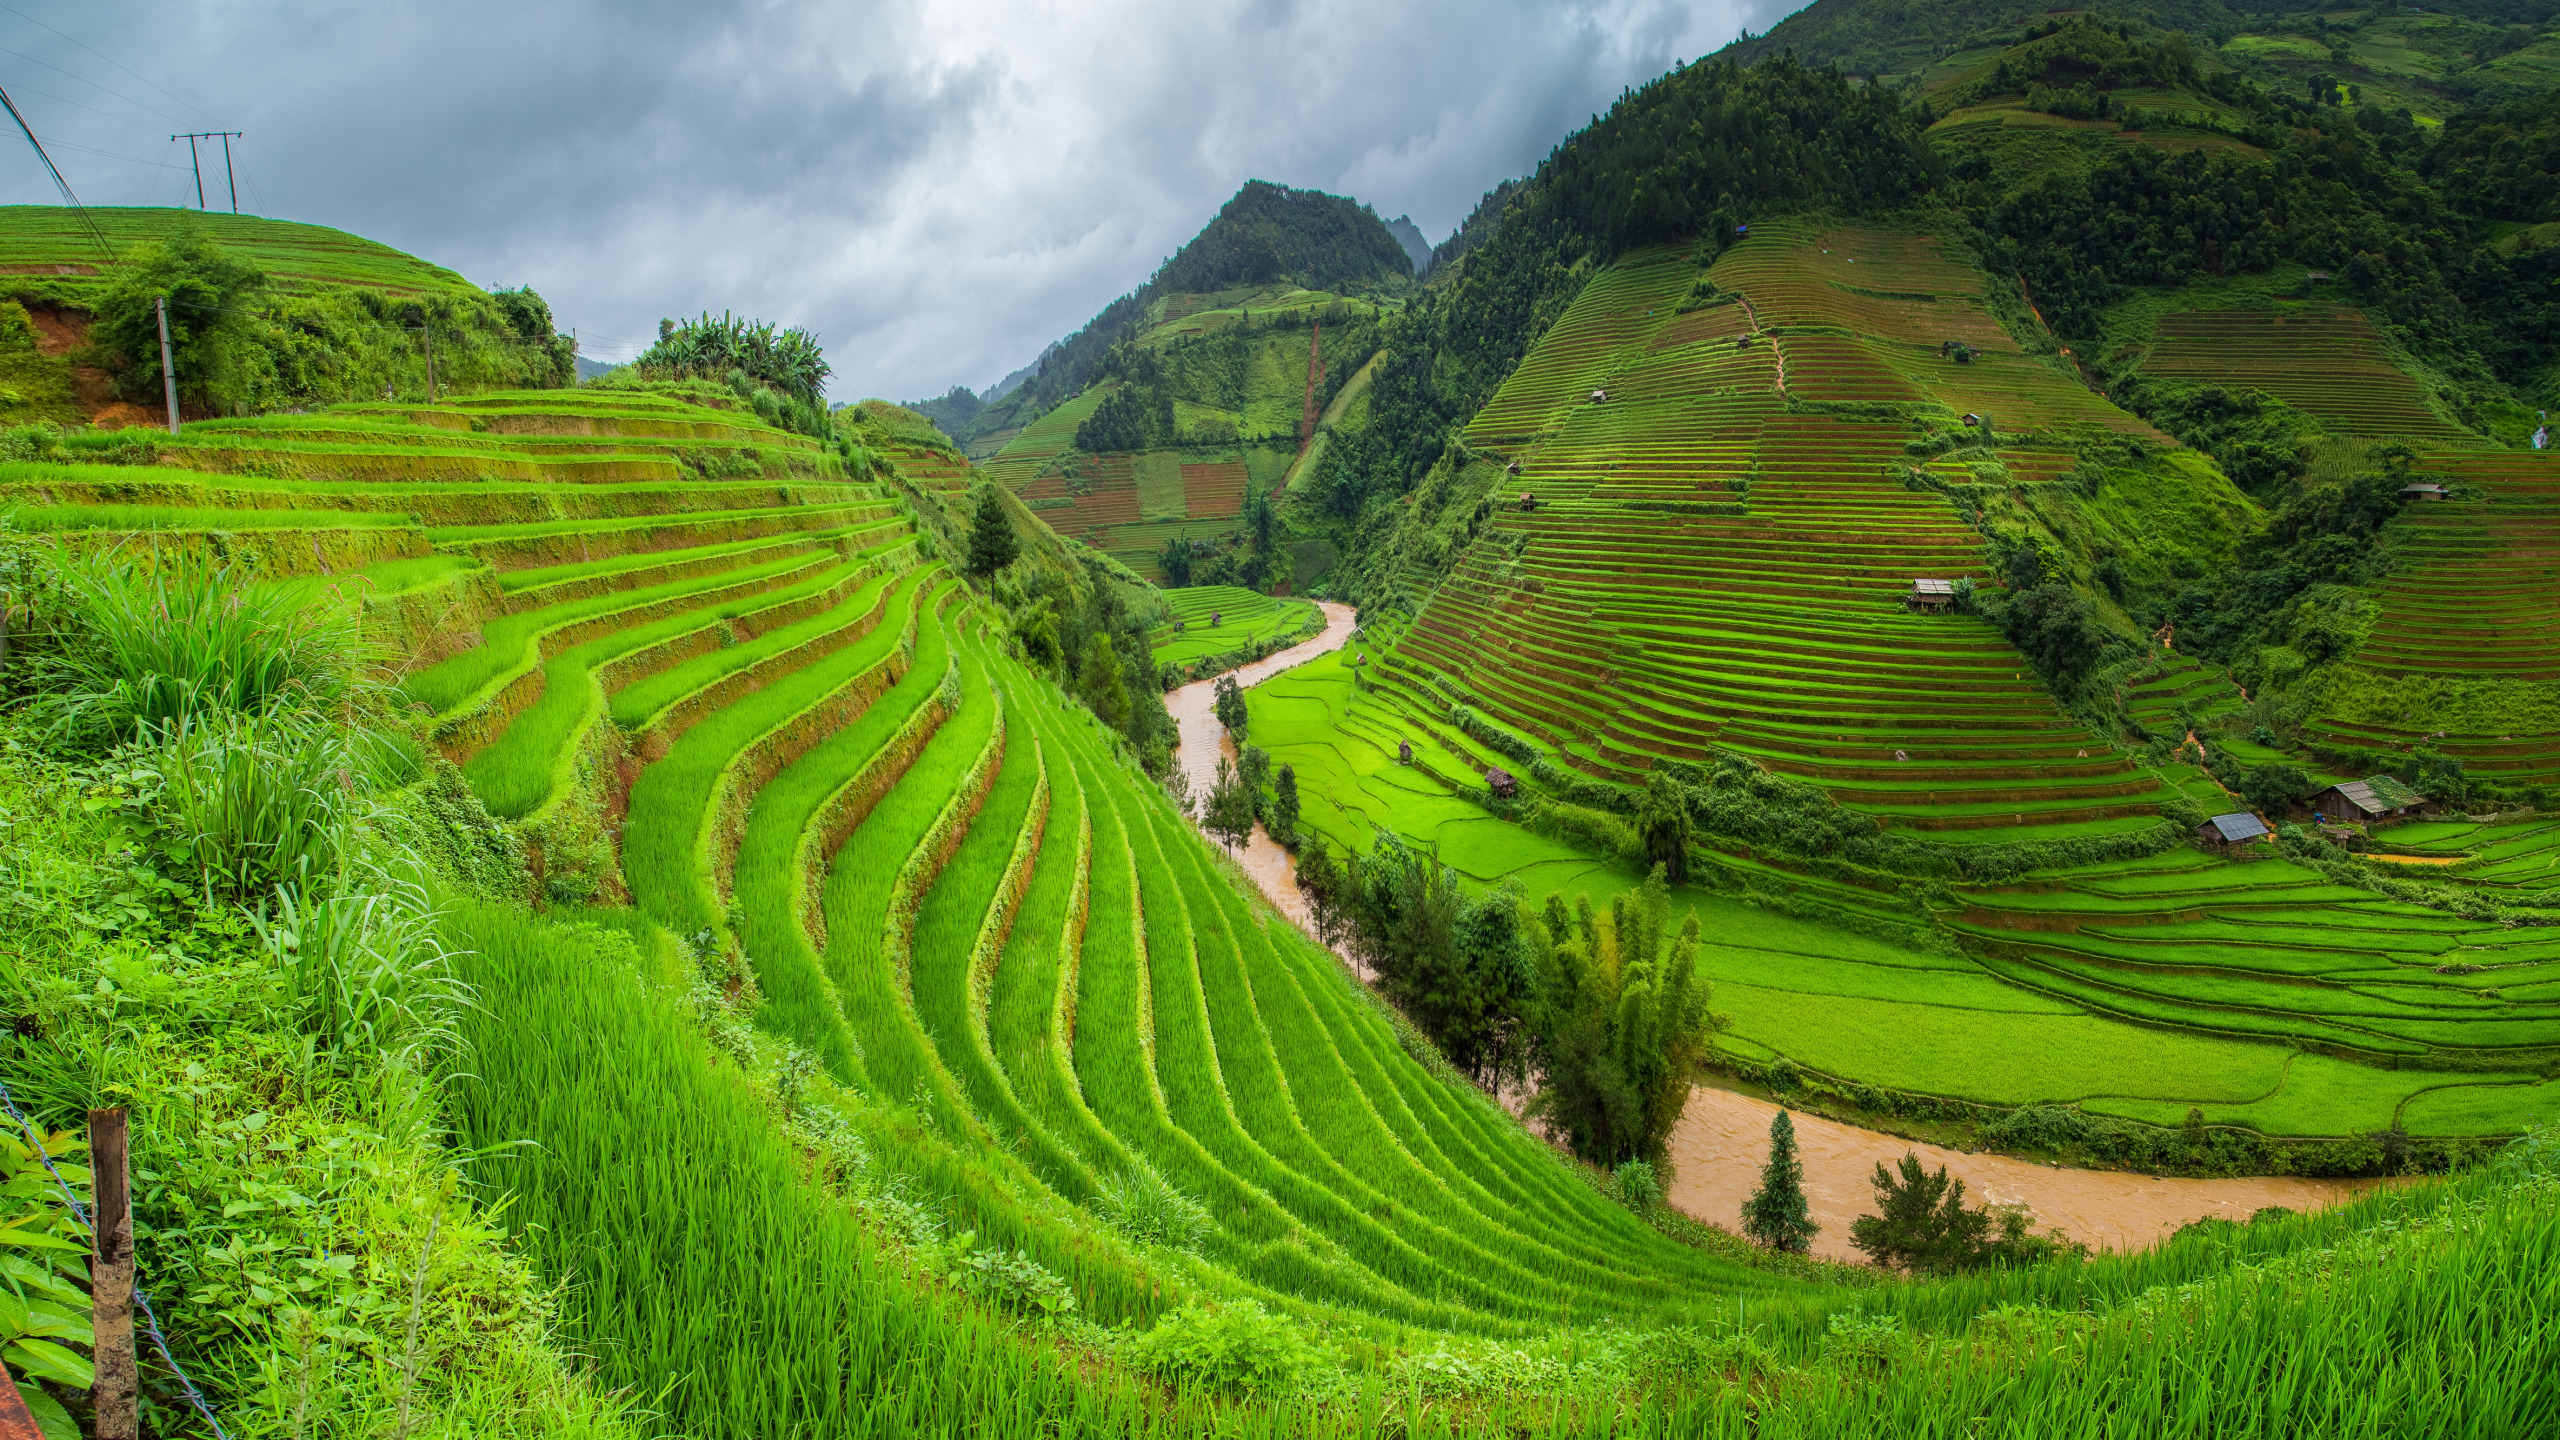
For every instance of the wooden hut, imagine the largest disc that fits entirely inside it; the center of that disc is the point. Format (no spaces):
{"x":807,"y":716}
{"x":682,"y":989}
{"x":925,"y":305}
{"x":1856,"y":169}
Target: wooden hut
{"x":2423,"y":490}
{"x":1931,"y":595}
{"x":2376,"y":797}
{"x":2223,"y":832}
{"x":1404,"y":752}
{"x":1499,"y":781}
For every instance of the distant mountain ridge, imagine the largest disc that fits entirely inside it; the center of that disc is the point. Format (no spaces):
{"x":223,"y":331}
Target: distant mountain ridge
{"x":1265,"y":233}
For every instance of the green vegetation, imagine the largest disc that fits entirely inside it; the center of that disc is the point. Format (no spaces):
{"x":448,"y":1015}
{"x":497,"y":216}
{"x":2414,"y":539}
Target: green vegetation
{"x":540,"y":863}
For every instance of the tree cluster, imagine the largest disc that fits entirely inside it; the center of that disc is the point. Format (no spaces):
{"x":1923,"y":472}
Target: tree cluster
{"x":1922,"y":1225}
{"x":788,"y":360}
{"x":1090,"y":641}
{"x":240,"y":343}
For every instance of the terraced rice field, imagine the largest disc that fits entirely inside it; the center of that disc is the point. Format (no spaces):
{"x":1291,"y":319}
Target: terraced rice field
{"x":1706,"y":569}
{"x":1219,"y":619}
{"x":945,"y":881}
{"x":1710,"y":567}
{"x":51,"y":242}
{"x":2324,"y":360}
{"x":2048,"y":1013}
{"x":2475,"y":598}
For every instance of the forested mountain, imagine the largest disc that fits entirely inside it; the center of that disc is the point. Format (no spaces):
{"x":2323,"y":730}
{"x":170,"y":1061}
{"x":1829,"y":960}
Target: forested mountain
{"x":2212,"y":401}
{"x":1266,"y":235}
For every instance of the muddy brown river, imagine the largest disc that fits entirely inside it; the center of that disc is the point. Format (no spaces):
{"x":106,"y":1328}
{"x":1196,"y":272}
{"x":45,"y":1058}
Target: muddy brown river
{"x":1723,"y":1137}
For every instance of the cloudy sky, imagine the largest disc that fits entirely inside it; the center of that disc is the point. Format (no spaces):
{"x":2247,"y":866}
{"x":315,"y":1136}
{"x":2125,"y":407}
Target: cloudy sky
{"x":937,"y":189}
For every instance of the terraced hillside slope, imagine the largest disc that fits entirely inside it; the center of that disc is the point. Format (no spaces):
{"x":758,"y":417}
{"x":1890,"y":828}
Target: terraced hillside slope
{"x":1703,"y":564}
{"x":62,"y":248}
{"x":643,"y":624}
{"x":1212,"y":398}
{"x":267,"y":315}
{"x":1683,"y":544}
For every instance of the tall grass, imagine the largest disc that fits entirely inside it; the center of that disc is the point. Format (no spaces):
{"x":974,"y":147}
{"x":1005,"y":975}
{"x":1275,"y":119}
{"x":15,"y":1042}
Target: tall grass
{"x":258,"y":803}
{"x":142,"y":648}
{"x":368,"y":976}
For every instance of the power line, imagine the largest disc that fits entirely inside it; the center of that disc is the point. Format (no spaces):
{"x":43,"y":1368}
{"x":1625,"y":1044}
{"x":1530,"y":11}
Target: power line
{"x":92,"y":109}
{"x":105,"y":251}
{"x":181,"y":99}
{"x":58,"y":143}
{"x":85,"y":80}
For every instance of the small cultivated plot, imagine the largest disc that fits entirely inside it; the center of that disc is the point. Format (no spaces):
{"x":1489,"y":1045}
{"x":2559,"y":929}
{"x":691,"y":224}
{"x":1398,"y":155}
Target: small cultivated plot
{"x":2324,"y":360}
{"x":1221,"y":619}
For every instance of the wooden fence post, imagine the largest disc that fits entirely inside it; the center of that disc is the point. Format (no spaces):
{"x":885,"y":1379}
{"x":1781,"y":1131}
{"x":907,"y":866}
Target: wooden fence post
{"x":119,"y":1385}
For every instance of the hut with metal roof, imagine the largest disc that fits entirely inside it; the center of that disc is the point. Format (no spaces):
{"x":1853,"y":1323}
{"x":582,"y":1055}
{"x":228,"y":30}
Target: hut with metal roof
{"x":2240,"y":827}
{"x":2376,"y":797}
{"x":1931,"y":595}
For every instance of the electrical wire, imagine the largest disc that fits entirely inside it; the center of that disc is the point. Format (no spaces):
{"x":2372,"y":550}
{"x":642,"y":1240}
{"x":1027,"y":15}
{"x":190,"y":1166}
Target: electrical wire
{"x":92,"y":109}
{"x":92,"y":84}
{"x":150,"y":1317}
{"x":61,"y":144}
{"x":181,"y":99}
{"x":104,"y":250}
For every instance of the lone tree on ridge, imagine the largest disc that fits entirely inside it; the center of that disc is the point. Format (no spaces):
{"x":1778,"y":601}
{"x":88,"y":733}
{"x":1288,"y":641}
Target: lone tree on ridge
{"x":1776,"y":1215}
{"x":991,"y":543}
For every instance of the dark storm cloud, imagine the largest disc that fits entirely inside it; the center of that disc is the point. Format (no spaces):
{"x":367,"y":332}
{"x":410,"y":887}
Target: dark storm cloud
{"x":937,"y":190}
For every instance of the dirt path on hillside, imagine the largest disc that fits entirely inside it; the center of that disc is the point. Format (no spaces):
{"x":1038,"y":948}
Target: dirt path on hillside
{"x":1723,"y":1138}
{"x":1200,"y":742}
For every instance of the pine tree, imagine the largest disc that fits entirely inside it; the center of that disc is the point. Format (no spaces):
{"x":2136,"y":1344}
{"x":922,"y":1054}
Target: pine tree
{"x":1284,"y":806}
{"x":1228,"y":814}
{"x":991,"y":543}
{"x":1776,"y":1215}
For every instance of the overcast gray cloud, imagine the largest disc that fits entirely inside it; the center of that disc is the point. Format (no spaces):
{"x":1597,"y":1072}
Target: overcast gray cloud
{"x":937,"y":190}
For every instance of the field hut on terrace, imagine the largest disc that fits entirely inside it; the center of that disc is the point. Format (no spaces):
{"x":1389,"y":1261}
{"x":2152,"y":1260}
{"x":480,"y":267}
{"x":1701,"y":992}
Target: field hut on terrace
{"x":1404,"y":752}
{"x":2226,"y":832}
{"x":2376,"y":797}
{"x":1931,"y":596}
{"x":1599,"y":396}
{"x":2423,"y":490}
{"x":1499,"y":781}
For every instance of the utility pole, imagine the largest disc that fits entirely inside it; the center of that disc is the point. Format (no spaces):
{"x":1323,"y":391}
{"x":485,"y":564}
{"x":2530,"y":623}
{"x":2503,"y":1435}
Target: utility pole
{"x":168,"y":368}
{"x":430,"y":330}
{"x":226,"y":137}
{"x":118,"y":1384}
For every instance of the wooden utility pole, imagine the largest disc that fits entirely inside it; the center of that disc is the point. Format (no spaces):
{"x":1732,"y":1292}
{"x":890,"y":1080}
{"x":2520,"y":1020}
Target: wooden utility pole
{"x":168,"y":367}
{"x":119,"y":1384}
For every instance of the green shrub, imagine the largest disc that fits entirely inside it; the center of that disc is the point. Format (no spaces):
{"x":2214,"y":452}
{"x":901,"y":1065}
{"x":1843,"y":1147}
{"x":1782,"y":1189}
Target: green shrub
{"x":1859,"y":1340}
{"x":1636,"y":1185}
{"x":1234,"y":1348}
{"x":368,"y":978}
{"x":1151,"y":1210}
